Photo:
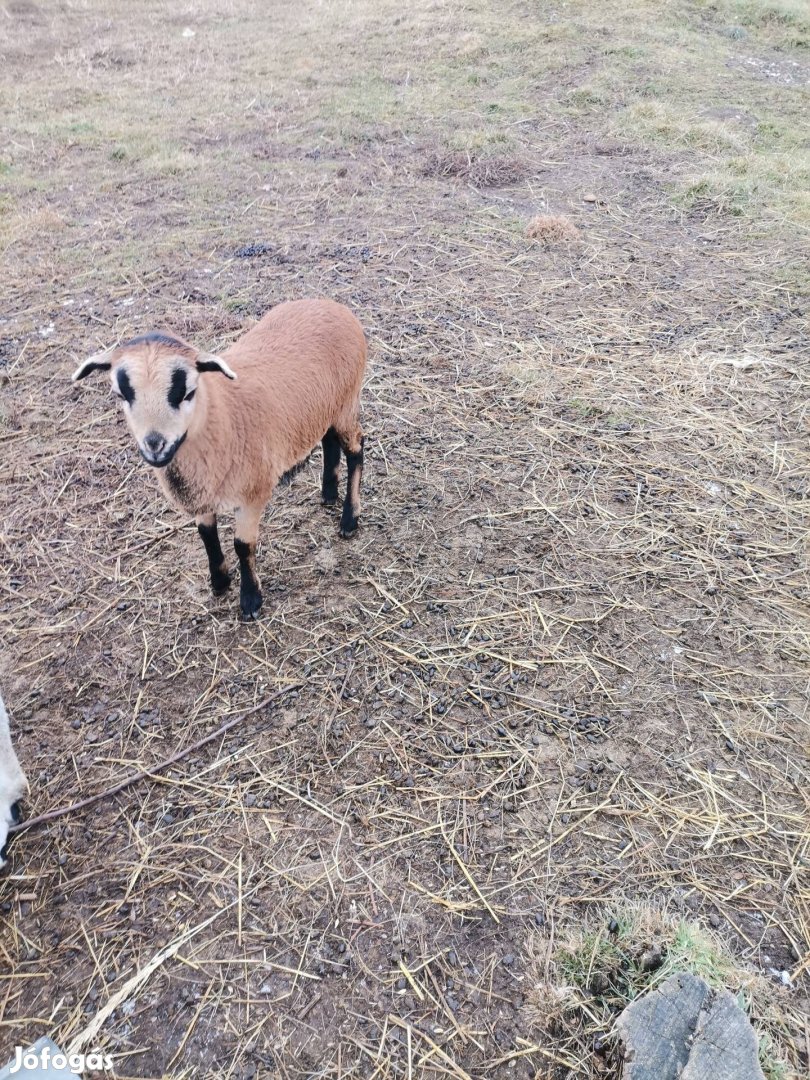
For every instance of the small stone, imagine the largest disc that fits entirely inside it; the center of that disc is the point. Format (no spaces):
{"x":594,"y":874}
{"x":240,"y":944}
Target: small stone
{"x":508,"y":960}
{"x":590,"y":198}
{"x":715,"y":920}
{"x":250,"y":799}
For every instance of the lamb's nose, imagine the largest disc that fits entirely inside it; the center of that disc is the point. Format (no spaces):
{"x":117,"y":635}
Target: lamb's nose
{"x":153,"y":442}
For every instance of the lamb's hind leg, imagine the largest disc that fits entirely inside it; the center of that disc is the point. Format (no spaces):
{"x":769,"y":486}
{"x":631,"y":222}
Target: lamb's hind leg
{"x":220,"y":578}
{"x":352,"y":440}
{"x":246,"y":528}
{"x":331,"y":467}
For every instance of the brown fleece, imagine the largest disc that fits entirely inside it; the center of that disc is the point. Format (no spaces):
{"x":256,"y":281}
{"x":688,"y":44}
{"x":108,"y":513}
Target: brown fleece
{"x":299,"y":372}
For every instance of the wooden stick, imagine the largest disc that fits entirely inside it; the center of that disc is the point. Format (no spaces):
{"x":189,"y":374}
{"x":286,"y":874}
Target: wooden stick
{"x":134,"y":777}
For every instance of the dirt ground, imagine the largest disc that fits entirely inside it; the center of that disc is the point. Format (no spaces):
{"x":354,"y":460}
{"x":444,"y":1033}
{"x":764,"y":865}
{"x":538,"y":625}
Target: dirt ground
{"x":562,"y":667}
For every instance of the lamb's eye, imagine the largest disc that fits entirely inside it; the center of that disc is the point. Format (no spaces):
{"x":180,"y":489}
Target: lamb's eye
{"x":190,"y":395}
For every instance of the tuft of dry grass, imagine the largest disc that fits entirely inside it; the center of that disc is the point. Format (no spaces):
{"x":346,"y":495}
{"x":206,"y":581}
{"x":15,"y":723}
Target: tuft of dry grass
{"x":481,"y":170}
{"x":552,"y":229}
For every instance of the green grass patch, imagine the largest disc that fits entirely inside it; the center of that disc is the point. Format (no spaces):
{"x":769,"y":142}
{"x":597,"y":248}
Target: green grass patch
{"x":620,"y":953}
{"x":783,"y":22}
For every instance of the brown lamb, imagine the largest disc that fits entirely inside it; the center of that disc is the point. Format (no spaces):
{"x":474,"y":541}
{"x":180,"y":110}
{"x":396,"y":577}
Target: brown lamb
{"x":220,"y":445}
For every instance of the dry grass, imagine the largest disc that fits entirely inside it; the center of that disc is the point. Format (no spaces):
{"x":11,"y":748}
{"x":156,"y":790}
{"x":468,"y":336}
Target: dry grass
{"x":491,"y":170}
{"x":552,"y":229}
{"x":562,"y":667}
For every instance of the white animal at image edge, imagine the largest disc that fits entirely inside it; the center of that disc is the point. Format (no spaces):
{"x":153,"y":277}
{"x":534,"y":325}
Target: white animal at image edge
{"x":12,"y":782}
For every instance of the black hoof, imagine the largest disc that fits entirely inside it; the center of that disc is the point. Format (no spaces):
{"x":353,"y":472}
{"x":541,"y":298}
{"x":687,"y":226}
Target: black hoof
{"x":329,"y":500}
{"x":250,"y":605}
{"x":348,"y":529}
{"x":220,"y":584}
{"x":16,"y":817}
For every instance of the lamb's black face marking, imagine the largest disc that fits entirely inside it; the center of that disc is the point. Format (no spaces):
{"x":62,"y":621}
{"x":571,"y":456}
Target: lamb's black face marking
{"x":177,"y":391}
{"x":125,"y":386}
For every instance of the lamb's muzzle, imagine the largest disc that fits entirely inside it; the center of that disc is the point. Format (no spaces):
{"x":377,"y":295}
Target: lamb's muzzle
{"x":291,"y":381}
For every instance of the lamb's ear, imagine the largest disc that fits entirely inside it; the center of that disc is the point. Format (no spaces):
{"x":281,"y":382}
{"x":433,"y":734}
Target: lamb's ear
{"x":209,"y":362}
{"x":101,"y":361}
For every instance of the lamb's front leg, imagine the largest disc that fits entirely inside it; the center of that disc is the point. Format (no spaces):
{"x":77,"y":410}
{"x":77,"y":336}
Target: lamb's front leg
{"x":220,"y":578}
{"x":246,"y":528}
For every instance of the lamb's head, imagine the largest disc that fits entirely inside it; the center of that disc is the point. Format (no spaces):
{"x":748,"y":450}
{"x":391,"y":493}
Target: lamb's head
{"x":155,"y":377}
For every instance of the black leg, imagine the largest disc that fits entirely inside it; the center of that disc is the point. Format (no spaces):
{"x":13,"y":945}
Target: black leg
{"x":220,"y":578}
{"x":250,"y":595}
{"x":351,"y":506}
{"x":331,"y":467}
{"x":246,"y":534}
